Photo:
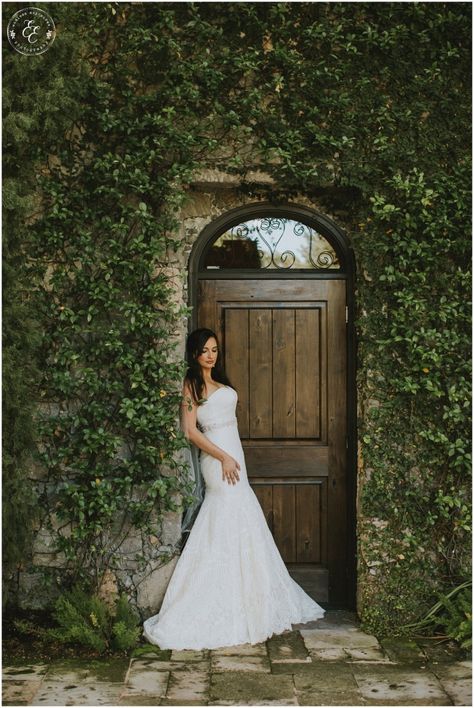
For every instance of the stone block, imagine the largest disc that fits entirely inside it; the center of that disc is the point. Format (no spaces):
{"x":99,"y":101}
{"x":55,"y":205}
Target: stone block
{"x":44,"y":541}
{"x":402,"y":649}
{"x":456,"y":680}
{"x":89,"y":693}
{"x":322,"y":684}
{"x":329,"y":698}
{"x":366,"y":654}
{"x":259,"y":649}
{"x":251,"y":688}
{"x":337,"y":675}
{"x":19,"y":693}
{"x":35,"y":592}
{"x":255,"y":702}
{"x":328,"y":654}
{"x":215,"y":179}
{"x":131,"y":545}
{"x":199,"y":205}
{"x":151,"y":589}
{"x":49,"y":560}
{"x":24,"y":672}
{"x":383,"y":684}
{"x":189,"y":655}
{"x":240,"y":663}
{"x":108,"y":670}
{"x":348,"y":637}
{"x":140,"y":699}
{"x":153,"y":653}
{"x":144,"y":679}
{"x":288,"y":647}
{"x":69,"y":672}
{"x":171,"y":528}
{"x":189,"y":683}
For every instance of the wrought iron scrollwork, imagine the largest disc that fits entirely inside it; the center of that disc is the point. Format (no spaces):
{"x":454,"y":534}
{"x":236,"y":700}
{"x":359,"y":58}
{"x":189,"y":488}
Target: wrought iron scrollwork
{"x":272,"y":242}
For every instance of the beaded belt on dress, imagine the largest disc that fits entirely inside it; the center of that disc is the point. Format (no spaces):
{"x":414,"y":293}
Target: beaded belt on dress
{"x":223,"y":424}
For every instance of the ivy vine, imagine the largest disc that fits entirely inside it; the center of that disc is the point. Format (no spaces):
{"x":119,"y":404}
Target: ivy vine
{"x":363,"y":106}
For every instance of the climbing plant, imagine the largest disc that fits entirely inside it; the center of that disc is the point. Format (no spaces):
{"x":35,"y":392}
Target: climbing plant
{"x":363,"y":106}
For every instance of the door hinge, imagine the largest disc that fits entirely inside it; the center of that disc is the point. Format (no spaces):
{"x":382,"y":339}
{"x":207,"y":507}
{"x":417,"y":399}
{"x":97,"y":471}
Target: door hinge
{"x":347,"y":314}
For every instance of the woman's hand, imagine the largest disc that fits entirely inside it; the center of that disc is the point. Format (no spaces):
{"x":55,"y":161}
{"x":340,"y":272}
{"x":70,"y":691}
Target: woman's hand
{"x":229,"y":469}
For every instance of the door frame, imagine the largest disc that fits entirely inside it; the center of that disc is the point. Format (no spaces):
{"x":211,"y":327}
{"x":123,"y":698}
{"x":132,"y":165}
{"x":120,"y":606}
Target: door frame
{"x":339,"y":240}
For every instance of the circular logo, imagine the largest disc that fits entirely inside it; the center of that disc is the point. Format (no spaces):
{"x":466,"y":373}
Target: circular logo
{"x":31,"y":31}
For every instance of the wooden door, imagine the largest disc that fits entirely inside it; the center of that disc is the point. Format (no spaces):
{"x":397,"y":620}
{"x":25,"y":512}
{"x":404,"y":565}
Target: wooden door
{"x":284,"y":350}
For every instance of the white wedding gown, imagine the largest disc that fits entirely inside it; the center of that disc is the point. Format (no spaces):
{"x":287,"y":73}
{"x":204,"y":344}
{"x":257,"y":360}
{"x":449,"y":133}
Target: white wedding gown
{"x":230,"y":585}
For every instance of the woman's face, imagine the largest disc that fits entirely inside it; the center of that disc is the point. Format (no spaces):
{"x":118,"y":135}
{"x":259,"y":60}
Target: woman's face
{"x":208,"y":356}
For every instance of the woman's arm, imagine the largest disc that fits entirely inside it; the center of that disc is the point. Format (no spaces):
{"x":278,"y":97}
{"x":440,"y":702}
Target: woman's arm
{"x":188,"y":423}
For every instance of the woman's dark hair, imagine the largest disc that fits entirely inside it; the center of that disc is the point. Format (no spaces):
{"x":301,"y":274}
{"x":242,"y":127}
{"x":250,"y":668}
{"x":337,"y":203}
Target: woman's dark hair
{"x":194,"y":346}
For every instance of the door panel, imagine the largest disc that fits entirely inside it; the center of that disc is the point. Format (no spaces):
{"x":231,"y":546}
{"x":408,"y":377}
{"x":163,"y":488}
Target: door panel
{"x":260,"y":373}
{"x":284,"y":350}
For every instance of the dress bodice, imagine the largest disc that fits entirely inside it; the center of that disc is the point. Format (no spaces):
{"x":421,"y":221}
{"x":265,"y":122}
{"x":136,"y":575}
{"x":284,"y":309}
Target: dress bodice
{"x":219,"y":409}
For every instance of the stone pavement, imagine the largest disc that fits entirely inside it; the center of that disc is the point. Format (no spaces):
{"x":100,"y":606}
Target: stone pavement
{"x":328,"y":662}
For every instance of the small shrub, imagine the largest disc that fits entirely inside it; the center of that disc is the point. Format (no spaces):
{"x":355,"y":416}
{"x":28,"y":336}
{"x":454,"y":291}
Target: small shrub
{"x":453,"y":613}
{"x":86,"y":619}
{"x":456,"y":617}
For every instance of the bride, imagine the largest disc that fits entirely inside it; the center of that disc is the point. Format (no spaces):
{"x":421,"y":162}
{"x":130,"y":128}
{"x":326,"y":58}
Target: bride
{"x":230,"y":585}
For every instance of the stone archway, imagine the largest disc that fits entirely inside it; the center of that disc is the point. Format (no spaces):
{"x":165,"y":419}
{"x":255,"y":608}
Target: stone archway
{"x":309,"y":502}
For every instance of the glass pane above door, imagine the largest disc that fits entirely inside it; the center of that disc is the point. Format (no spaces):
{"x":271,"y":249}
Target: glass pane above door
{"x":271,"y":243}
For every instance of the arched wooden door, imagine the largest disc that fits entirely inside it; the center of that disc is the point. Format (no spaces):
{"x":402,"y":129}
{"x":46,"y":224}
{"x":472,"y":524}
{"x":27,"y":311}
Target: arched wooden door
{"x":284,"y":337}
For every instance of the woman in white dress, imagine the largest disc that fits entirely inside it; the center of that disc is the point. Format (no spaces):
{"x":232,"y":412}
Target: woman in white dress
{"x":230,"y":585}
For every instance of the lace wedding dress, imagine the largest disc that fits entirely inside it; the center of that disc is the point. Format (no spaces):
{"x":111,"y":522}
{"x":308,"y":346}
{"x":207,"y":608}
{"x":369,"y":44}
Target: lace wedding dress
{"x":230,"y":585}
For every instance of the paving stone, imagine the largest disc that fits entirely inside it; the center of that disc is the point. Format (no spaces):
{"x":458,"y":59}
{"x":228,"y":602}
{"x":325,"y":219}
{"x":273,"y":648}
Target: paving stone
{"x":402,"y":649}
{"x":324,"y":677}
{"x":24,"y":672}
{"x":367,"y":654}
{"x":251,"y":688}
{"x":330,"y":698}
{"x":241,"y":650}
{"x":189,"y":655}
{"x":15,"y":693}
{"x":158,"y":665}
{"x":286,"y":667}
{"x":276,"y":702}
{"x":171,"y":702}
{"x":69,"y":671}
{"x":139,"y":699}
{"x":288,"y":647}
{"x":349,"y":637}
{"x":147,"y":677}
{"x":151,"y":652}
{"x":328,"y":654}
{"x":190,"y":683}
{"x":240,"y":663}
{"x":316,"y":686}
{"x":61,"y":693}
{"x":108,"y":670}
{"x":398,"y":685}
{"x":456,"y":680}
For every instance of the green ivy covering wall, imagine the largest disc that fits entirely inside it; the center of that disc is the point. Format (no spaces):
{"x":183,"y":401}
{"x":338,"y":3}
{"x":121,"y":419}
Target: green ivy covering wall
{"x":368,"y":100}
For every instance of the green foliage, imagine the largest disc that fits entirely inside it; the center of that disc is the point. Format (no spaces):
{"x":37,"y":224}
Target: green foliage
{"x":363,"y":108}
{"x":86,"y":619}
{"x":453,"y":613}
{"x":457,"y":618}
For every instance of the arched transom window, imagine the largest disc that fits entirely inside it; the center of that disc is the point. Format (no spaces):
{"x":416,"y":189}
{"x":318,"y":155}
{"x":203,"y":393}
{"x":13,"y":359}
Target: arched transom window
{"x":271,"y":243}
